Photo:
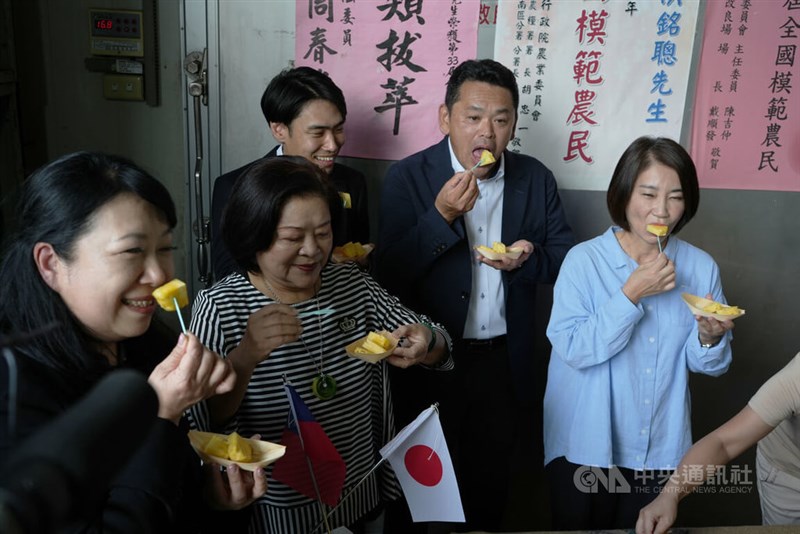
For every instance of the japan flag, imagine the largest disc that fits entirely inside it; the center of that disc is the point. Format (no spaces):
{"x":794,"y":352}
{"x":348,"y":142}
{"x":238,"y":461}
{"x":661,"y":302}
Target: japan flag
{"x":421,"y":461}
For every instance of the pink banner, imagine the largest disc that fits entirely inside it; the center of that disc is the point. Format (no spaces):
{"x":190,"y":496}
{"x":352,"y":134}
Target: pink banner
{"x":746,"y":120}
{"x":392,"y":59}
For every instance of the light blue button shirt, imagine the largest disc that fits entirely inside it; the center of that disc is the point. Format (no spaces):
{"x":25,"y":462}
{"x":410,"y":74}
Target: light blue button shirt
{"x":486,"y":315}
{"x":617,"y":387}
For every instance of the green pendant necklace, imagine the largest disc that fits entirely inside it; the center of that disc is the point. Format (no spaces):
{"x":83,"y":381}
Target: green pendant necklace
{"x":323,"y":386}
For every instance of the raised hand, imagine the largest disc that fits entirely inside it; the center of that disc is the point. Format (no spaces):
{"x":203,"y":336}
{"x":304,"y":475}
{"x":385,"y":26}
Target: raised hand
{"x":651,"y":278}
{"x":188,"y":375}
{"x":709,"y":329}
{"x":415,"y":347}
{"x":267,"y":329}
{"x":235,"y":488}
{"x":457,"y":196}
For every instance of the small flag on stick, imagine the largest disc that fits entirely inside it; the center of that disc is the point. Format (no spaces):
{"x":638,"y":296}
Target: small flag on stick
{"x":311,"y":459}
{"x":421,"y":461}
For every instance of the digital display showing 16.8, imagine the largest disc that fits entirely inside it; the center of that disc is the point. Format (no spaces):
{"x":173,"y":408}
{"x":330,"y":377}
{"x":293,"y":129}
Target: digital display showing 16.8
{"x":126,"y":25}
{"x":103,"y":23}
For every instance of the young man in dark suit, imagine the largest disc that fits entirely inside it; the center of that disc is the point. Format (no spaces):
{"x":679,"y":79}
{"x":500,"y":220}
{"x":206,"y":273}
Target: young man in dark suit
{"x":437,"y":205}
{"x":305,"y":112}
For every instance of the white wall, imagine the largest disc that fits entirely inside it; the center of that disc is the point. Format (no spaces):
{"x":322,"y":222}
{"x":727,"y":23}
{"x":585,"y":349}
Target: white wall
{"x":79,"y":118}
{"x":256,"y":43}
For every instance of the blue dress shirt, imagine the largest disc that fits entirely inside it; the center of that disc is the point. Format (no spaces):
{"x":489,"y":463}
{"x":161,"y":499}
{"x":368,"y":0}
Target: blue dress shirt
{"x":617,"y":386}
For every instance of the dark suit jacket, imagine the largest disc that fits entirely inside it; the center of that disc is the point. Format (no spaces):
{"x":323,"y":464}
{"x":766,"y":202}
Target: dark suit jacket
{"x":426,"y":262}
{"x":353,"y":225}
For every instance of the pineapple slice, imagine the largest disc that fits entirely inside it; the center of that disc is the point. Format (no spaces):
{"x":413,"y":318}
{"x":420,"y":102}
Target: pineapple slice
{"x":233,"y":447}
{"x":487,"y":158}
{"x":353,"y":250}
{"x":659,"y":230}
{"x":239,"y":450}
{"x":499,"y":247}
{"x":372,"y":347}
{"x":217,"y":446}
{"x":374,"y":343}
{"x":380,"y":340}
{"x":174,"y":289}
{"x":721,"y":309}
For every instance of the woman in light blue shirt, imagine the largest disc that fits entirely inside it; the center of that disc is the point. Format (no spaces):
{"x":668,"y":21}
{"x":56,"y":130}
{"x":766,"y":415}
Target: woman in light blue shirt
{"x":616,"y":409}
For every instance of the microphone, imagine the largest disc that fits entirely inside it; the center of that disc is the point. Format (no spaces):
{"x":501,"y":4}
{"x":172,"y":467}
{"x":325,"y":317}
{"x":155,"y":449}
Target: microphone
{"x":63,"y":471}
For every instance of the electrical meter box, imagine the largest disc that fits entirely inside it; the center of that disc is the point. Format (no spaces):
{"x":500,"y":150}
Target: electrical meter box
{"x":115,"y":32}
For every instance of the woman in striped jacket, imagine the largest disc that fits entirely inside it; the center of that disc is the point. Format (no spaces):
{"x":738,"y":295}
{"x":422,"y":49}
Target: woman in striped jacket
{"x":269,"y":319}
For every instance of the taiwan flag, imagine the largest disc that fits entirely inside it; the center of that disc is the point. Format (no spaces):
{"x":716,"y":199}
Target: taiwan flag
{"x":310,"y":456}
{"x":421,"y":461}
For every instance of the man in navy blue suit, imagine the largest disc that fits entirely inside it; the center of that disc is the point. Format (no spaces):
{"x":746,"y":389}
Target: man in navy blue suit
{"x":305,"y":112}
{"x":437,"y":205}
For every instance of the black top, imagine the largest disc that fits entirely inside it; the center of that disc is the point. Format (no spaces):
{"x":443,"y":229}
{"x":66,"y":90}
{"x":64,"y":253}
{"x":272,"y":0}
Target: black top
{"x":157,"y":490}
{"x":353,"y":225}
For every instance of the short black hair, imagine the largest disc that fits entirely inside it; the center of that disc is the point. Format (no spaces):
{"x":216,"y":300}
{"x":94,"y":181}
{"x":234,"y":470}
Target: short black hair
{"x":250,"y":218}
{"x":289,"y":91}
{"x":57,"y":205}
{"x":637,"y":158}
{"x":481,"y":70}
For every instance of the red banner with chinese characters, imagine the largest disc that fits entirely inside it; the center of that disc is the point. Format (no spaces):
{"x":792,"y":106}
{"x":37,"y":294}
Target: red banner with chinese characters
{"x":746,"y":117}
{"x":392,"y":60}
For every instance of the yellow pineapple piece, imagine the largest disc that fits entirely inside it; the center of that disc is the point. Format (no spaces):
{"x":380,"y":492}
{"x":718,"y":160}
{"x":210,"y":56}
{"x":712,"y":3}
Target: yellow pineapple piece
{"x":484,"y":248}
{"x":239,"y":449}
{"x":498,"y":247}
{"x":174,"y":289}
{"x":487,"y":158}
{"x":658,"y":229}
{"x":721,"y":309}
{"x":217,"y":446}
{"x":349,"y":249}
{"x":372,"y":347}
{"x":353,"y":250}
{"x":379,"y":340}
